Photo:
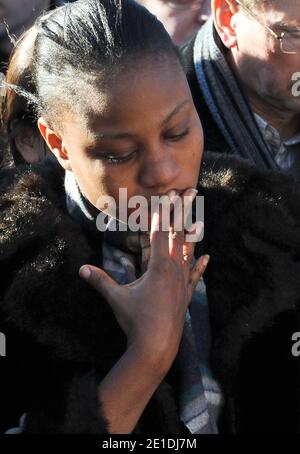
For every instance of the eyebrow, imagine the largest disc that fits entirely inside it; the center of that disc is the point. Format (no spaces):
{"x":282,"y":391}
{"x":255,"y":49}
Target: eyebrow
{"x":174,"y":112}
{"x":126,"y":135}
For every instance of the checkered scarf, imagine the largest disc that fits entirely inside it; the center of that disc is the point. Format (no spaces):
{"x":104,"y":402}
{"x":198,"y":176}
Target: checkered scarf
{"x":125,"y":257}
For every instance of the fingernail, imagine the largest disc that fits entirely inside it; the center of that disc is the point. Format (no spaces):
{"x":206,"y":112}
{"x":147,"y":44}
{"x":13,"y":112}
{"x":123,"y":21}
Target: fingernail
{"x":192,"y":193}
{"x":173,"y":196}
{"x":206,"y":259}
{"x":172,"y":193}
{"x":155,"y":222}
{"x":85,"y":272}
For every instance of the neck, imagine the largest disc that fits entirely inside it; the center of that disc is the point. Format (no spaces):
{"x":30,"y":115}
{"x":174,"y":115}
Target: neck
{"x":284,"y":121}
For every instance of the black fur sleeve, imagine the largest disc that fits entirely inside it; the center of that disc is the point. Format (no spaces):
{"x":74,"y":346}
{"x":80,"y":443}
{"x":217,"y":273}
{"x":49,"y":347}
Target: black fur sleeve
{"x":62,"y":337}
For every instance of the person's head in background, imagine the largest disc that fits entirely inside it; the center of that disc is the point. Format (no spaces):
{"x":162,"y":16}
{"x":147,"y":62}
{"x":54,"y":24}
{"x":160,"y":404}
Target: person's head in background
{"x":181,"y":18}
{"x":16,"y":16}
{"x":18,"y":115}
{"x":263,"y":42}
{"x":113,"y":101}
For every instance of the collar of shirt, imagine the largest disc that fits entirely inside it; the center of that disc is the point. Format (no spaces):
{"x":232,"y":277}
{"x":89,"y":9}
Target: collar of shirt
{"x":283,"y":150}
{"x":268,"y":131}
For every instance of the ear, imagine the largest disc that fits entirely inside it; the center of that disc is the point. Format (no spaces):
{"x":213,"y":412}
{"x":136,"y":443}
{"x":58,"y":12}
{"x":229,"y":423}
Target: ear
{"x":26,"y":140}
{"x":224,"y":12}
{"x":55,"y":143}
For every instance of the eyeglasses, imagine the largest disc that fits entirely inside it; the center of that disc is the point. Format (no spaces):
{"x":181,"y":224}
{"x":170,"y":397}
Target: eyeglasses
{"x":289,"y":41}
{"x":184,"y":4}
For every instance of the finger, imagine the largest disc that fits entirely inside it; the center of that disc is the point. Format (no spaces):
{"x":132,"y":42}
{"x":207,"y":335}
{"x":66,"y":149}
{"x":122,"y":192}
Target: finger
{"x":101,"y":282}
{"x":196,"y":273}
{"x":189,"y":246}
{"x":188,"y":250}
{"x":187,"y":258}
{"x":182,"y":208}
{"x":194,"y":232}
{"x":160,"y":225}
{"x":176,"y":233}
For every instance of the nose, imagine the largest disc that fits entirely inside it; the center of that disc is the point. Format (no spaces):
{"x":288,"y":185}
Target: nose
{"x":159,"y":172}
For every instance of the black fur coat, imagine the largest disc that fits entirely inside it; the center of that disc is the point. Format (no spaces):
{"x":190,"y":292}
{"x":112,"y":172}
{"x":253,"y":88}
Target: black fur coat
{"x":62,"y":338}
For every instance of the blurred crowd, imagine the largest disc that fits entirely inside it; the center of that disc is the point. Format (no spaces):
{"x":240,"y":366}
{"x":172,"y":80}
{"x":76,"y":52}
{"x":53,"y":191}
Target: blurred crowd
{"x":181,"y":18}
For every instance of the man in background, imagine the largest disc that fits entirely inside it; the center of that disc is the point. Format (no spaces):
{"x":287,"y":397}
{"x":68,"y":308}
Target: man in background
{"x":181,"y":18}
{"x":243,"y":70}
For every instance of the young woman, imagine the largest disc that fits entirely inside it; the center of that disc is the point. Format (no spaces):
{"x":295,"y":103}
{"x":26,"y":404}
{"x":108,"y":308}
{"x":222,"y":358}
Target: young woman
{"x":105,"y":332}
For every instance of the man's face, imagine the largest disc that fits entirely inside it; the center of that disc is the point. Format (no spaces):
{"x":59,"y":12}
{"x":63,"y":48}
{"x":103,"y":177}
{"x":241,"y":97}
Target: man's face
{"x":264,"y":70}
{"x":181,"y":18}
{"x":17,"y":13}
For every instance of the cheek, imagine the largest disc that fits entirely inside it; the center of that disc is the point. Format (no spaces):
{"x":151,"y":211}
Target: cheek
{"x":107,"y":180}
{"x":275,"y":76}
{"x":253,"y":44}
{"x":197,"y":144}
{"x":191,"y":158}
{"x":284,"y":68}
{"x":91,"y":177}
{"x":116,"y":177}
{"x":193,"y":164}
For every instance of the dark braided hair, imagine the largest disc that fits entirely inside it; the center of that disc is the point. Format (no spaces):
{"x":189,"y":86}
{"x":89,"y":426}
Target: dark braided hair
{"x":87,"y":40}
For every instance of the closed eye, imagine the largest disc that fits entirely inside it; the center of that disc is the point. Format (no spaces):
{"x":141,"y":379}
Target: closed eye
{"x":177,"y":137}
{"x":120,"y":160}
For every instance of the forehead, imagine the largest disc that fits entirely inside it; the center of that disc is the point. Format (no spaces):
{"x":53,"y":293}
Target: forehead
{"x":286,"y":12}
{"x":135,"y":98}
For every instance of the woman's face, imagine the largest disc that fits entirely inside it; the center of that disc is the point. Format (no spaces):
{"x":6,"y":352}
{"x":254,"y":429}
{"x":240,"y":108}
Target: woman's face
{"x":141,"y":133}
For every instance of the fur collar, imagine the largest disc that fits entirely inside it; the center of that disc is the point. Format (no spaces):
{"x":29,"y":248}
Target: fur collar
{"x":252,"y":232}
{"x":41,"y":251}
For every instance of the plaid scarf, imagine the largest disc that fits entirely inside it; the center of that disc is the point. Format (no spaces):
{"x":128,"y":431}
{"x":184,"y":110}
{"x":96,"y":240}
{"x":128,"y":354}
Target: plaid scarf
{"x":226,"y":101}
{"x":125,"y":256}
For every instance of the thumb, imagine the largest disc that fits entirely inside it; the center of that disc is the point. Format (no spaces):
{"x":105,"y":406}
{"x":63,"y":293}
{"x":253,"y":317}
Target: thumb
{"x":100,"y":280}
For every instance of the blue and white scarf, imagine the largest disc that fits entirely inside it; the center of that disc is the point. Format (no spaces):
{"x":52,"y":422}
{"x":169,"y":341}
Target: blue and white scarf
{"x":225,"y":100}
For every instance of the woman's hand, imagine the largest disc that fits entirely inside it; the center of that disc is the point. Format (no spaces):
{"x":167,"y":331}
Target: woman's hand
{"x":151,"y":310}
